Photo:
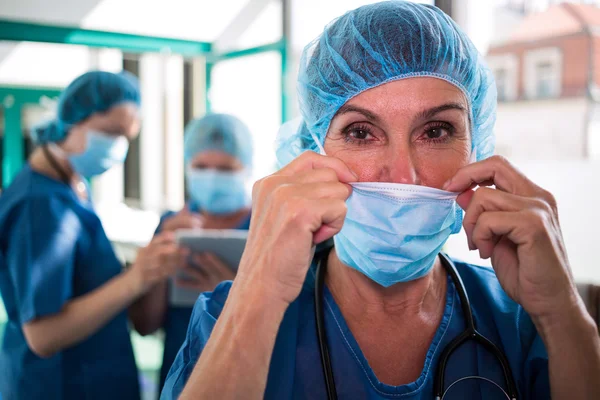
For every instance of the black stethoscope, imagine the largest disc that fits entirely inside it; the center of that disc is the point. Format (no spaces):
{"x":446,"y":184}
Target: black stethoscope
{"x":470,"y":333}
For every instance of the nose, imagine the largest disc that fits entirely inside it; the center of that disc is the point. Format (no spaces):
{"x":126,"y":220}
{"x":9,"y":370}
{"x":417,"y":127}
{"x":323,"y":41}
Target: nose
{"x":399,"y":165}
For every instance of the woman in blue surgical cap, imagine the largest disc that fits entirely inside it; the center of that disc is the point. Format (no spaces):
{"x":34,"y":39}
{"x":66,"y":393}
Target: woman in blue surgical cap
{"x":65,"y":293}
{"x":398,"y":108}
{"x":218,"y":161}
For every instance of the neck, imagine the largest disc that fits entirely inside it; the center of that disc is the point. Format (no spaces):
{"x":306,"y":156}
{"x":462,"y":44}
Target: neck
{"x":40,"y":163}
{"x":356,"y":294}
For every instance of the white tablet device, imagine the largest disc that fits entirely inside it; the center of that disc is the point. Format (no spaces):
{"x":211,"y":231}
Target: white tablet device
{"x":227,"y":244}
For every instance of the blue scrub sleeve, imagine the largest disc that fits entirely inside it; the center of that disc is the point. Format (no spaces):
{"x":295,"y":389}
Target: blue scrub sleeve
{"x":41,"y":256}
{"x":535,"y":381}
{"x":207,"y":309}
{"x":536,"y":368}
{"x":163,"y":218}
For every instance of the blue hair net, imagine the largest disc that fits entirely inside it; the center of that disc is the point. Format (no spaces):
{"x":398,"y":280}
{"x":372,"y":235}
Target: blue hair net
{"x":221,"y":132}
{"x":92,"y":92}
{"x":380,"y":43}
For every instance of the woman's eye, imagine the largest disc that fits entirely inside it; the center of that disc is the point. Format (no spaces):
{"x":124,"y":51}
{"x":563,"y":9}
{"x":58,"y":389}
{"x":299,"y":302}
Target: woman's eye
{"x":436,"y":133}
{"x":359,"y":134}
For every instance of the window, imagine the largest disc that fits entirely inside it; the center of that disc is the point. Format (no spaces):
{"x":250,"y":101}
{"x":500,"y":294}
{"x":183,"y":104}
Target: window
{"x":545,"y":77}
{"x":504,"y":67}
{"x":501,"y":84}
{"x":543,"y":73}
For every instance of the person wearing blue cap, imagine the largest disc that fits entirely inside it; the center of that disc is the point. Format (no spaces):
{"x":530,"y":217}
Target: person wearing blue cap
{"x":398,"y":111}
{"x":218,"y":164}
{"x":66,"y":294}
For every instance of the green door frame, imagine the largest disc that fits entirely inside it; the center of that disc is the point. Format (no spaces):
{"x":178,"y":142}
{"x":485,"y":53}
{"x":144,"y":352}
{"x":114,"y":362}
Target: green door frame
{"x":30,"y":32}
{"x":12,"y":100}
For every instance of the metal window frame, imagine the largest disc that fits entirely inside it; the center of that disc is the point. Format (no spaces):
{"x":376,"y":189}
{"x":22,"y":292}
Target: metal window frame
{"x":18,"y":31}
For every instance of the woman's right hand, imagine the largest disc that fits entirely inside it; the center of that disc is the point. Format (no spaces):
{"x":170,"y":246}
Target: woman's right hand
{"x":294,"y":209}
{"x":157,"y":261}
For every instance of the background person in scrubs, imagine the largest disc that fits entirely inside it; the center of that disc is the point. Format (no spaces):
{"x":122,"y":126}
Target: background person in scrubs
{"x":218,"y":160}
{"x":63,"y":287}
{"x":397,"y":100}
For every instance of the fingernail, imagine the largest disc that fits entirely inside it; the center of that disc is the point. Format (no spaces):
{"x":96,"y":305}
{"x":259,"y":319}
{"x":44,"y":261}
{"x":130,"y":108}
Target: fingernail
{"x":471,"y":245}
{"x":447,"y":184}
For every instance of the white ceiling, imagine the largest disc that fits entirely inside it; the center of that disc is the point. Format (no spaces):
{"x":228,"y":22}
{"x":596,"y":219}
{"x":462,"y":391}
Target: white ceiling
{"x":64,"y":12}
{"x":54,"y":64}
{"x":200,"y":20}
{"x":203,"y":20}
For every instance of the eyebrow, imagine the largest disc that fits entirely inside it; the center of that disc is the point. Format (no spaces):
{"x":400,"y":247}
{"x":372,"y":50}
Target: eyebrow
{"x":347,"y":108}
{"x":425,"y":114}
{"x":431,"y":112}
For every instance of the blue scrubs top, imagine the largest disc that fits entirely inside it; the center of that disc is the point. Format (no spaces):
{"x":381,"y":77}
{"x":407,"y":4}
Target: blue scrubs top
{"x":177,"y":318}
{"x":296,"y":372}
{"x":53,"y":249}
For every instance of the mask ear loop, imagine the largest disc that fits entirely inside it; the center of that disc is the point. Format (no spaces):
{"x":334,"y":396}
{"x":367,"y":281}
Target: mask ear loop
{"x":473,"y":155}
{"x":459,"y":214}
{"x":318,"y":142}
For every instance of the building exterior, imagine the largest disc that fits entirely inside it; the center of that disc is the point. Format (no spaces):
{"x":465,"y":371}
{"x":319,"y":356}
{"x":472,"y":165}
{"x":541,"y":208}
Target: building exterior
{"x":547,"y":73}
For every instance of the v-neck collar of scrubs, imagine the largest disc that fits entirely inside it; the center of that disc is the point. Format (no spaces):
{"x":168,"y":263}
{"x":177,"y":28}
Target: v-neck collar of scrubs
{"x":352,"y":345}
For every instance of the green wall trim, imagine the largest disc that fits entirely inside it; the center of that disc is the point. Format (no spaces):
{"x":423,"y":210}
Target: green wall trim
{"x":31,"y":32}
{"x":12,"y":159}
{"x":26,"y":94}
{"x":275,"y":46}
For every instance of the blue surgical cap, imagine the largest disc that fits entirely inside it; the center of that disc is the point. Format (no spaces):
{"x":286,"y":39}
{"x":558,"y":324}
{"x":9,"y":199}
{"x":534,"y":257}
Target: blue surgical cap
{"x":92,"y":92}
{"x":381,"y":43}
{"x":220,"y":132}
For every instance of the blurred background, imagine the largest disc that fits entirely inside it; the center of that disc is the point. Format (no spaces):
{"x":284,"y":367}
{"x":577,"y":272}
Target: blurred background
{"x":241,"y":57}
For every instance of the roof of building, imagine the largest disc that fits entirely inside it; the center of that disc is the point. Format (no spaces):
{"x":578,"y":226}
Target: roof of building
{"x":558,"y":20}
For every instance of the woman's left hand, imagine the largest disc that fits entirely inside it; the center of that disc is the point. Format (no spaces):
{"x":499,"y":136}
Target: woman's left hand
{"x":516,"y":224}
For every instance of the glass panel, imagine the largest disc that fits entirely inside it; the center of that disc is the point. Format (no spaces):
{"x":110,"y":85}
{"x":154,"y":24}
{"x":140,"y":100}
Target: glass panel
{"x":41,"y":64}
{"x":254,"y":97}
{"x":32,"y":115}
{"x":545,"y":79}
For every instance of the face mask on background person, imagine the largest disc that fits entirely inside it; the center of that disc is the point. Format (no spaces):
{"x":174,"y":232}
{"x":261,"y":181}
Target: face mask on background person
{"x":217,"y":192}
{"x":102,"y":152}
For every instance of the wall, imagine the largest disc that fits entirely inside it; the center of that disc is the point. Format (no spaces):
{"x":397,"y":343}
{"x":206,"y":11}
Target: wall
{"x":542,"y":129}
{"x":574,"y":185}
{"x":575,"y":50}
{"x":593,"y":134}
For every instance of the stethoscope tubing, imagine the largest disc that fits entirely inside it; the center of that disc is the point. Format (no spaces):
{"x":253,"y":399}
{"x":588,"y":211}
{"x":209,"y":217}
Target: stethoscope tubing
{"x":470,"y":333}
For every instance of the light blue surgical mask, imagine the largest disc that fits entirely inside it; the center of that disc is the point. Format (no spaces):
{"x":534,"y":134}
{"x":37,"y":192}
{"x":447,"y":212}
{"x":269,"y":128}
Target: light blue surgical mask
{"x":217,"y":192}
{"x":102,"y":152}
{"x":393,"y":232}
